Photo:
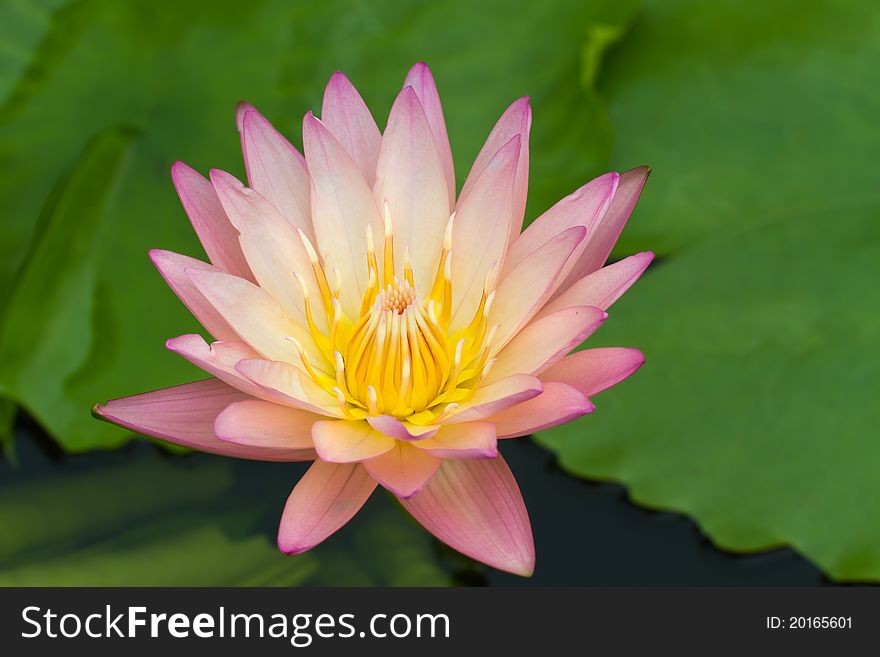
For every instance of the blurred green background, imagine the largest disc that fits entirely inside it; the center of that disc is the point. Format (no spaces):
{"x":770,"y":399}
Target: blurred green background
{"x":756,"y":413}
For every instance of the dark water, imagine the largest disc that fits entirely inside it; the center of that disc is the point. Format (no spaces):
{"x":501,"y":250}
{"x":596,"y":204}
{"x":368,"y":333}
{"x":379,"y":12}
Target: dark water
{"x":585,"y":533}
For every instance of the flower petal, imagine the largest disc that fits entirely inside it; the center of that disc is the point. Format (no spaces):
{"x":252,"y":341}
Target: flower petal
{"x":604,"y":286}
{"x":593,"y":370}
{"x":272,"y":246}
{"x":264,"y":424}
{"x":475,"y":507}
{"x":421,"y":80}
{"x":558,"y":404}
{"x":342,"y":441}
{"x":185,"y":415}
{"x":342,"y":209}
{"x":409,"y":178}
{"x":218,"y":358}
{"x":472,"y":440}
{"x":173,"y":267}
{"x":544,"y":341}
{"x":346,"y":115}
{"x":255,"y":316}
{"x":524,"y":291}
{"x":403,"y":470}
{"x":605,"y":235}
{"x":495,"y":397}
{"x":217,"y":235}
{"x":480,"y":231}
{"x":284,"y":384}
{"x":584,"y":207}
{"x":516,"y":120}
{"x":326,"y":498}
{"x":390,"y":426}
{"x":276,"y":170}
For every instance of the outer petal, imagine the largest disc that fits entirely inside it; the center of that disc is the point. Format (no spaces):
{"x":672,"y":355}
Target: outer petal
{"x":409,"y":177}
{"x":346,"y":115}
{"x":390,"y":426}
{"x":254,"y":315}
{"x":545,"y":341}
{"x":217,"y":235}
{"x":594,"y":370}
{"x":421,"y":80}
{"x":558,"y":404}
{"x":284,"y":384}
{"x":403,"y":470}
{"x":476,"y":508}
{"x":185,"y":415}
{"x":480,"y":231}
{"x":604,"y":286}
{"x":342,"y":441}
{"x":472,"y":440}
{"x":342,"y":209}
{"x":276,"y":170}
{"x":173,"y":268}
{"x":218,"y":358}
{"x":523,"y":292}
{"x":264,"y":424}
{"x":324,"y":500}
{"x":603,"y":238}
{"x":516,"y":120}
{"x":273,"y":247}
{"x":496,"y":397}
{"x":584,"y":207}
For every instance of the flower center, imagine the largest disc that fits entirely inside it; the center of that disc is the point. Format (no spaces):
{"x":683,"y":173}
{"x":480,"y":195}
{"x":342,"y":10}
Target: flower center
{"x":399,"y":356}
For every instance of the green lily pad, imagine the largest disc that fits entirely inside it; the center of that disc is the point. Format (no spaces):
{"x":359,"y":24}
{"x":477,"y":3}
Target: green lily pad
{"x":755,"y":411}
{"x":99,"y":98}
{"x":747,"y":113}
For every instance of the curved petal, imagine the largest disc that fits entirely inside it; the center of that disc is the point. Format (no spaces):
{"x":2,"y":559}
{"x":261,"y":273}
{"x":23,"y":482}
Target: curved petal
{"x":342,"y":441}
{"x":185,"y":415}
{"x":403,"y":470}
{"x":480,"y":231}
{"x":472,"y":440}
{"x":544,"y":341}
{"x":255,"y":316}
{"x":346,"y":115}
{"x":276,"y":170}
{"x":584,"y":207}
{"x":217,"y":235}
{"x":342,"y":210}
{"x":476,"y":507}
{"x":409,"y":178}
{"x":390,"y":426}
{"x":495,"y":397}
{"x":273,"y":247}
{"x":604,"y":286}
{"x":605,"y":235}
{"x":516,"y":120}
{"x":264,"y":424}
{"x":593,"y":370}
{"x":173,"y":267}
{"x":284,"y":384}
{"x":524,"y":291}
{"x":558,"y":404}
{"x":326,"y":498}
{"x":421,"y":80}
{"x":218,"y":358}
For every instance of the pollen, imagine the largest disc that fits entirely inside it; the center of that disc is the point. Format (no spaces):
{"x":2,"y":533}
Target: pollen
{"x":396,"y":298}
{"x":398,"y":356}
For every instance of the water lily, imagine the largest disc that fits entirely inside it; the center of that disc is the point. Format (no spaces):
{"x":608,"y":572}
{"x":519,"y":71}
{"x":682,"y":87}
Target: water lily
{"x":367,"y":318}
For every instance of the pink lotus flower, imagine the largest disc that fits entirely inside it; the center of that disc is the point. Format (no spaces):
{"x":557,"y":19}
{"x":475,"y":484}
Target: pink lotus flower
{"x":367,"y":319}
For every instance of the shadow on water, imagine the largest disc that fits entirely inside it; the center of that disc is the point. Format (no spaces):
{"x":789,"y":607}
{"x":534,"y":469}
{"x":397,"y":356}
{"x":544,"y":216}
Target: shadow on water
{"x":587,"y":534}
